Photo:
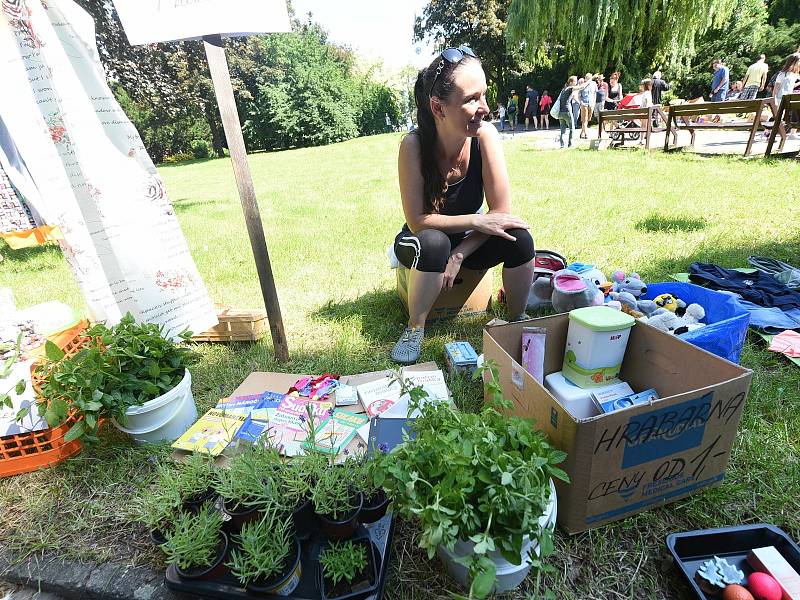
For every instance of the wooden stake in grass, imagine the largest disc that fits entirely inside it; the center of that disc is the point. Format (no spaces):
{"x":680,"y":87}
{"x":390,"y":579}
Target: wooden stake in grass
{"x":218,"y":65}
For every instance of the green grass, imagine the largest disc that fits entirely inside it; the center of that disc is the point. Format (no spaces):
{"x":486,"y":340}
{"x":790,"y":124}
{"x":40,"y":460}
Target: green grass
{"x":329,"y":214}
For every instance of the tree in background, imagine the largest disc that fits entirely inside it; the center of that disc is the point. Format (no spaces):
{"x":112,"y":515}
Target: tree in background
{"x":602,"y":33}
{"x":292,"y":90}
{"x":480,"y":24}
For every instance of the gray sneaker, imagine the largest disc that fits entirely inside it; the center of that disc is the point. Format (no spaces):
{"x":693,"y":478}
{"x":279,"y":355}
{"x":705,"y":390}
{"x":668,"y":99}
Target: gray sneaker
{"x":408,"y":348}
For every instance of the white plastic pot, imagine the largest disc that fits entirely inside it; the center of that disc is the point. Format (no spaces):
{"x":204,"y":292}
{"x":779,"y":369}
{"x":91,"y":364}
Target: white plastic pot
{"x":166,"y":417}
{"x":509,"y":576}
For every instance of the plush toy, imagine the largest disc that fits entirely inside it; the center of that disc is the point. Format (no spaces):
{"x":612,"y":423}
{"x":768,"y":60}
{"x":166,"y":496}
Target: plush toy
{"x":628,"y":283}
{"x":567,"y":290}
{"x":630,"y":305}
{"x":671,"y":303}
{"x":672,"y":323}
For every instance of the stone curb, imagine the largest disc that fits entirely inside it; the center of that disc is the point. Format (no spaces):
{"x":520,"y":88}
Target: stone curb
{"x":75,"y":580}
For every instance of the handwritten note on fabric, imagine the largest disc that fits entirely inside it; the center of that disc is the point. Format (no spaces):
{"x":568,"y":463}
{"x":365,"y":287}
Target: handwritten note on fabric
{"x":95,"y":179}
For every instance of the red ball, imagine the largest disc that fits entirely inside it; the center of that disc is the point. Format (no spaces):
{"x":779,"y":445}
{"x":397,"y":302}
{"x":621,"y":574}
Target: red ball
{"x":764,"y":587}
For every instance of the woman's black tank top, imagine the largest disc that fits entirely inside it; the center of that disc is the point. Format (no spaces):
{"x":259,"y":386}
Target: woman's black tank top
{"x":465,"y":196}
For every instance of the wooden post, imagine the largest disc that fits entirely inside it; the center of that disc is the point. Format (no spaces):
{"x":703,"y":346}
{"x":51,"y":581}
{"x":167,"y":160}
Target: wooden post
{"x":218,"y":65}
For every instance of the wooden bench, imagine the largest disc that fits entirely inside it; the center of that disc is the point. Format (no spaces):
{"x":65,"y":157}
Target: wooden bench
{"x":788,"y":115}
{"x":682,"y":116}
{"x":644,"y":115}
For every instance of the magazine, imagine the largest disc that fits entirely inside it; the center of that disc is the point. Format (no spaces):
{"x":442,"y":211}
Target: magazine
{"x":212,"y":432}
{"x":336,"y":431}
{"x":261,"y":407}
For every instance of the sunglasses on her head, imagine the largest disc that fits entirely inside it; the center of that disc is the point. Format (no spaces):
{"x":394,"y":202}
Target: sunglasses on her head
{"x":453,"y":56}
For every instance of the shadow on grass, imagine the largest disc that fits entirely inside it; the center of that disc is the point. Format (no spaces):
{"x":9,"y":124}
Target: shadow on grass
{"x":656,"y":223}
{"x":24,"y":255}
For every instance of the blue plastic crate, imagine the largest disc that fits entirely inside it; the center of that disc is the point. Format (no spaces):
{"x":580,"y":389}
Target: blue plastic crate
{"x":726,"y":321}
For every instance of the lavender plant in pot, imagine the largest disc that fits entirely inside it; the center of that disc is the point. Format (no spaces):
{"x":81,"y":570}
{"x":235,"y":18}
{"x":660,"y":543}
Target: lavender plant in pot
{"x":347,"y":569}
{"x":266,"y":559}
{"x":376,"y":501}
{"x":337,"y":501}
{"x":197,"y":546}
{"x":247,"y":486}
{"x":294,"y":486}
{"x":159,"y":506}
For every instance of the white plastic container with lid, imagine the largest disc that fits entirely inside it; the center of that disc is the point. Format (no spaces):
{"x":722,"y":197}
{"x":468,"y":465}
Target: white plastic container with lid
{"x":596,"y":342}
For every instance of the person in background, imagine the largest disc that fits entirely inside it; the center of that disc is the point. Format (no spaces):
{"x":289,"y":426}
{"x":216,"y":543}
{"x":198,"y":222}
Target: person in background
{"x":614,"y":91}
{"x":575,"y":105}
{"x":786,"y":82}
{"x":567,"y":99}
{"x":588,"y":98}
{"x":511,"y":110}
{"x":735,"y":91}
{"x":644,"y":99}
{"x":531,"y":109}
{"x":501,"y":115}
{"x":659,"y":86}
{"x":446,"y":168}
{"x":602,"y":93}
{"x":720,"y":82}
{"x":545,"y":102}
{"x":755,"y":80}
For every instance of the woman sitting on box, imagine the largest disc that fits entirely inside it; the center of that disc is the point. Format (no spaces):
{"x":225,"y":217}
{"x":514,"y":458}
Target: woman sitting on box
{"x":446,"y":166}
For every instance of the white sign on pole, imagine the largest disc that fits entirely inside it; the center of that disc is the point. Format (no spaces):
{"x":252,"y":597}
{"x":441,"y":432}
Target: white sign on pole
{"x":150,"y":21}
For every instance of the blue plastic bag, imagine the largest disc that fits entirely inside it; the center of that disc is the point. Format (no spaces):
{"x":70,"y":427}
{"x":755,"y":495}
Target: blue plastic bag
{"x":726,"y":321}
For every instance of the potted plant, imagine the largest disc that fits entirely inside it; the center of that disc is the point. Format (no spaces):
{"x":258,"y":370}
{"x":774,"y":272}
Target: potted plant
{"x":376,"y":501}
{"x":159,"y":507}
{"x":347,"y":569}
{"x":247,"y":485}
{"x":336,"y":501}
{"x":480,"y":487}
{"x":267,"y":559}
{"x":197,"y":546}
{"x":295,"y":483}
{"x":196,"y":478}
{"x":129,"y":373}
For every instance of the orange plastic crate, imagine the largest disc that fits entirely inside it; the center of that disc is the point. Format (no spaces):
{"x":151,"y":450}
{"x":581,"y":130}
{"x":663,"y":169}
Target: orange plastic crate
{"x":25,"y":452}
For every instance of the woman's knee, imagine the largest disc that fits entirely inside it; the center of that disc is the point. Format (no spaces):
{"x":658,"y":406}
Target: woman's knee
{"x":431,"y":248}
{"x":520,"y":251}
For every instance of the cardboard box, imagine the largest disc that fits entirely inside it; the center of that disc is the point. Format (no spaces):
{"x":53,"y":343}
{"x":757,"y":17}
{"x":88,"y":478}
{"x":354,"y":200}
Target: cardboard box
{"x":471,"y":294}
{"x":638,"y":458}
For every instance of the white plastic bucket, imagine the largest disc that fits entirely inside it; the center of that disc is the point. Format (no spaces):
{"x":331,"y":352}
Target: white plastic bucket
{"x":509,"y":576}
{"x":164,"y":418}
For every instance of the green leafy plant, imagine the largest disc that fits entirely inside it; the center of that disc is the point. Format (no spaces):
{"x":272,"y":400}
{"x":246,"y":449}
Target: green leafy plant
{"x":364,"y":475}
{"x":192,"y":543}
{"x":479,"y":477}
{"x":19,"y":386}
{"x":296,"y":479}
{"x":342,"y":561}
{"x":264,"y":547}
{"x":334,"y":491}
{"x":119,"y":367}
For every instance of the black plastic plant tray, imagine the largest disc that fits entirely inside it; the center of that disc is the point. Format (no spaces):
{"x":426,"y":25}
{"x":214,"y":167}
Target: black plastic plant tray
{"x":227,"y":587}
{"x":692,"y":548}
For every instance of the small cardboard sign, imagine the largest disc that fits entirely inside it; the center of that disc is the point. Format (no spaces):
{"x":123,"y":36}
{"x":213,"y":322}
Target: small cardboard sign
{"x":151,"y":21}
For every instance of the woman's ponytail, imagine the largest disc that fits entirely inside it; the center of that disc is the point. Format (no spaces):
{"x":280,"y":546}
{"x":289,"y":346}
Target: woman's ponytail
{"x":434,"y":185}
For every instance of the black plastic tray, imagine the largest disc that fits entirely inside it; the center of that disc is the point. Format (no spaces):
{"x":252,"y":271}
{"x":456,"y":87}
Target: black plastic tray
{"x":227,"y":587}
{"x":692,"y":548}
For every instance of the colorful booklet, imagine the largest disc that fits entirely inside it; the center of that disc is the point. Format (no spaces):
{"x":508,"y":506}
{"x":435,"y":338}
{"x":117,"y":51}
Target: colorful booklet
{"x":379,"y":396}
{"x":212,"y":432}
{"x":260,"y":407}
{"x":336,"y":431}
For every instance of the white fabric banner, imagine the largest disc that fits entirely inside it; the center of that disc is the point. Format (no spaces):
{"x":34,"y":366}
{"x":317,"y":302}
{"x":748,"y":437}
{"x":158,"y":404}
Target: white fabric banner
{"x":150,"y":21}
{"x":94,"y":177}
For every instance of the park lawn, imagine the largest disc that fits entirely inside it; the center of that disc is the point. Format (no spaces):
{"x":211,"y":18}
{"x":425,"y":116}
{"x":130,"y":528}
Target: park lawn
{"x":329,"y":215}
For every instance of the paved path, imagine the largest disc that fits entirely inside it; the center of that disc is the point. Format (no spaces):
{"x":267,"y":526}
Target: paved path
{"x":707,"y":142}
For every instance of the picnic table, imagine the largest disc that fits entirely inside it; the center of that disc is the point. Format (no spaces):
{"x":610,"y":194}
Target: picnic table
{"x":625,"y":124}
{"x":788,"y":115}
{"x":683,"y":116}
